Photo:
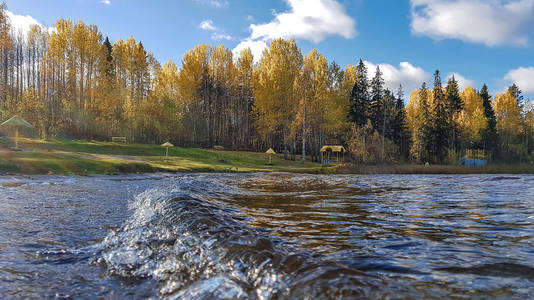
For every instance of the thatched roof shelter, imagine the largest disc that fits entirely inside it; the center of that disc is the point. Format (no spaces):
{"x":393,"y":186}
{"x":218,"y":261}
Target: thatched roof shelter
{"x":328,"y":150}
{"x":17,"y":121}
{"x":167,"y":145}
{"x":335,"y":149}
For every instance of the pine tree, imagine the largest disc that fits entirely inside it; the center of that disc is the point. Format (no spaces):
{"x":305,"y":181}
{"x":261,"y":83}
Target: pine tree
{"x":377,"y":108}
{"x":489,"y":136}
{"x":359,"y":97}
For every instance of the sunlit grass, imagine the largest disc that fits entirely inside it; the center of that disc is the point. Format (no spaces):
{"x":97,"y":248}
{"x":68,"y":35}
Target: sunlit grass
{"x":92,"y":157}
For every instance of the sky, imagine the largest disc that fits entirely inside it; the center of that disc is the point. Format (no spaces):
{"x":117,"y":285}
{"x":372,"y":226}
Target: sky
{"x":479,"y":41}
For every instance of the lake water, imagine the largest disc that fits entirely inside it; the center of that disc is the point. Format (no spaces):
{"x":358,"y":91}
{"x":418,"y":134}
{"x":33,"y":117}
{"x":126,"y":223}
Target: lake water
{"x":267,"y":236}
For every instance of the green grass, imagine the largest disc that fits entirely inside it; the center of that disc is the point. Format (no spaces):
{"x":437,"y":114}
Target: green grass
{"x":91,"y":157}
{"x":51,"y":163}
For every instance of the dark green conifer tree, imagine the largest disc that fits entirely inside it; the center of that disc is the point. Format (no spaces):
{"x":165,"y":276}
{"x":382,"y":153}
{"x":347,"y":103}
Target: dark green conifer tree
{"x":489,"y":136}
{"x":453,"y":106}
{"x":424,"y":134}
{"x":108,"y":48}
{"x":377,"y":109}
{"x":388,"y":114}
{"x":400,"y":131}
{"x":440,"y":122}
{"x":359,"y":97}
{"x":516,"y":92}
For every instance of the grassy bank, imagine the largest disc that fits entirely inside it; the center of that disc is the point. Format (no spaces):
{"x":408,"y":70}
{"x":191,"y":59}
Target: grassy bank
{"x":90,"y":157}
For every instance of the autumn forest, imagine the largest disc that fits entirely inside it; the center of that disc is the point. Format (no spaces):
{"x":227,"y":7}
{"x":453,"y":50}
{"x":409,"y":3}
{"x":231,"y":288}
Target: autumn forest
{"x":73,"y":82}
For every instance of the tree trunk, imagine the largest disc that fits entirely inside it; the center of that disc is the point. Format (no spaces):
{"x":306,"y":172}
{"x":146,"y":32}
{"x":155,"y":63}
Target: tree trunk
{"x":304,"y":135}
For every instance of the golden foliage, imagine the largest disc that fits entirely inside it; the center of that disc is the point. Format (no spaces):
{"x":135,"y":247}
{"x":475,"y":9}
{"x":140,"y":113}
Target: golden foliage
{"x":471,"y":119}
{"x":273,"y":80}
{"x":507,"y":113}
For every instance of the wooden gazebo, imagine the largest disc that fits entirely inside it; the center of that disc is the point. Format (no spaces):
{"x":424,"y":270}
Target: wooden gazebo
{"x":327,"y":152}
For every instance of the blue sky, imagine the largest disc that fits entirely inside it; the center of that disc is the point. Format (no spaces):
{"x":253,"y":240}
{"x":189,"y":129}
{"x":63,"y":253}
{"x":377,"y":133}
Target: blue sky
{"x":481,"y":41}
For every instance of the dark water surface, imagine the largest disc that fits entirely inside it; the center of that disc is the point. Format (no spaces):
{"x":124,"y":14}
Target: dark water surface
{"x":267,"y":236}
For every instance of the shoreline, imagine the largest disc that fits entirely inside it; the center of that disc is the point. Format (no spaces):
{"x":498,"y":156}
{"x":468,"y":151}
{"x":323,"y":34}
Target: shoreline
{"x":408,"y":169}
{"x":65,"y":157}
{"x":77,"y":164}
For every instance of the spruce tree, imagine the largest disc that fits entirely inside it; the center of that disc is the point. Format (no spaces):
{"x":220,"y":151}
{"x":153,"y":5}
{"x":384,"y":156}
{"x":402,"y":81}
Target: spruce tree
{"x":453,"y":106}
{"x":359,"y":97}
{"x":516,"y":92}
{"x":377,"y":109}
{"x":108,"y":50}
{"x":489,"y":136}
{"x":424,"y":133}
{"x":386,"y":117}
{"x":335,"y":75}
{"x":440,"y":122}
{"x":388,"y":114}
{"x":400,"y":131}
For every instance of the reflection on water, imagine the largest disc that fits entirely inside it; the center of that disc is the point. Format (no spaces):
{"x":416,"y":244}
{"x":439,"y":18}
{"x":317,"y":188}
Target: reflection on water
{"x":267,"y":236}
{"x":452,"y":234}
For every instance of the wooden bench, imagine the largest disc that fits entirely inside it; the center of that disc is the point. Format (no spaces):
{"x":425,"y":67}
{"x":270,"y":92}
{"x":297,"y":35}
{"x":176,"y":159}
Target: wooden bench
{"x":118,"y":139}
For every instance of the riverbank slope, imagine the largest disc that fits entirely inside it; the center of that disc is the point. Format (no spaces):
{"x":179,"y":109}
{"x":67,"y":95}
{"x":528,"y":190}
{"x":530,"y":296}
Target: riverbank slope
{"x":92,"y":157}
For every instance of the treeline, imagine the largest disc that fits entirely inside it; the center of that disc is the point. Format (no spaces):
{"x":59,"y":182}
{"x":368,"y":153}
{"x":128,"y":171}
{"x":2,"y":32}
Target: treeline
{"x":439,"y":124}
{"x":445,"y":122}
{"x":72,"y":82}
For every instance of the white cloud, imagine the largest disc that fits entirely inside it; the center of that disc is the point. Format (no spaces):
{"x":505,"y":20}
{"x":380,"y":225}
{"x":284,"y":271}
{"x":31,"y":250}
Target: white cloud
{"x":523,"y":77}
{"x":207,"y":25}
{"x":106,"y":2}
{"x":214,"y":3}
{"x":217,"y":34}
{"x":256,"y":47}
{"x":312,"y":20}
{"x":490,"y":22}
{"x":221,"y":36}
{"x":23,"y":24}
{"x":462,"y":81}
{"x":410,"y":76}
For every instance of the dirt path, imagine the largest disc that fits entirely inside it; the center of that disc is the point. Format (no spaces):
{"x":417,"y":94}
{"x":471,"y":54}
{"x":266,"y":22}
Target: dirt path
{"x":93,"y":156}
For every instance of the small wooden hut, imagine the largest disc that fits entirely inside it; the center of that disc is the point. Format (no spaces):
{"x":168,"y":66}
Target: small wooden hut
{"x":332,"y":153}
{"x":474,"y":158}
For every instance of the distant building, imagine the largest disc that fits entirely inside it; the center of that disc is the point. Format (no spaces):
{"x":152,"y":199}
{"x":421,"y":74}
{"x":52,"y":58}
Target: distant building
{"x":327,"y":152}
{"x":474,"y":158}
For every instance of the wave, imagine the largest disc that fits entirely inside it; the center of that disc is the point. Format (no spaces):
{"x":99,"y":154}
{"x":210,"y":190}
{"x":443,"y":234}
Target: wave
{"x":196,"y":247}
